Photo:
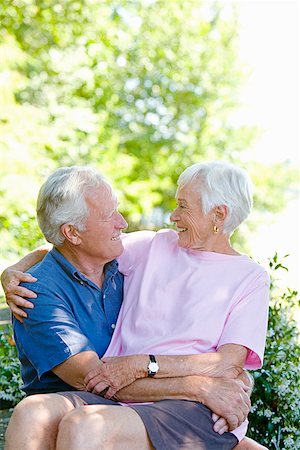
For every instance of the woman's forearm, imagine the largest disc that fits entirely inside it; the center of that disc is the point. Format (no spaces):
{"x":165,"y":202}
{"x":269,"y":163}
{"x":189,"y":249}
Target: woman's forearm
{"x":228,"y":362}
{"x":31,"y":258}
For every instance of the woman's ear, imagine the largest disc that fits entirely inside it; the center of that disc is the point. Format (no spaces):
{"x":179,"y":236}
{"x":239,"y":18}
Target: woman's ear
{"x":70,"y":233}
{"x":221,"y":213}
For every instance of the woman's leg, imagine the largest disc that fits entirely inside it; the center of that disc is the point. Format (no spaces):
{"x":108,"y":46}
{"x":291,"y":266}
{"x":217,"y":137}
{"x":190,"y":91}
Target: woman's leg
{"x":96,"y":427}
{"x":34,"y":422}
{"x":249,"y":444}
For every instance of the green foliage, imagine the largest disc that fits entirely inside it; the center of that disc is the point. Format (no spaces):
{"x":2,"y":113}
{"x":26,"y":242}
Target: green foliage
{"x":140,"y":89}
{"x":10,"y":378}
{"x":275,"y":414}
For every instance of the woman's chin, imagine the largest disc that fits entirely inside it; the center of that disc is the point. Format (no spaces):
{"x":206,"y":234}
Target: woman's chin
{"x":182,"y":241}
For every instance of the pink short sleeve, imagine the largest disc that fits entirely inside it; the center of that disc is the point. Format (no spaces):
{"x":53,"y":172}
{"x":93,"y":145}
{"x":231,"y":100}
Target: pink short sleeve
{"x":248,"y":320}
{"x":136,"y":246}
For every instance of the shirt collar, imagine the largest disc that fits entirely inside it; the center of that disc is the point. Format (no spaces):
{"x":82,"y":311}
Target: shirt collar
{"x":110,"y":268}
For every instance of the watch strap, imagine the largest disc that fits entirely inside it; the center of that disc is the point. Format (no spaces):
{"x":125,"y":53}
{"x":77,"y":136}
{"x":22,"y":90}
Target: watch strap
{"x":153,"y":366}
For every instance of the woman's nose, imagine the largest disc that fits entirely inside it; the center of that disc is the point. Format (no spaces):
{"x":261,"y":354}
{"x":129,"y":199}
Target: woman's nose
{"x":173,"y":216}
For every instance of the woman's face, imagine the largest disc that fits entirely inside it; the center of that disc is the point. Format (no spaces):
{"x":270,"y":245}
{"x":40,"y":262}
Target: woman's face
{"x":194,"y":228}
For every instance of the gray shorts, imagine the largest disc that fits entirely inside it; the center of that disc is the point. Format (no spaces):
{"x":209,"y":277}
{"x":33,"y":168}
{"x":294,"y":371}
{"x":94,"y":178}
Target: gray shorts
{"x":170,"y":424}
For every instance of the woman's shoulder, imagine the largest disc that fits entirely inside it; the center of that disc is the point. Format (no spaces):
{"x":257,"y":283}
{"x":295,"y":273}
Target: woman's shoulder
{"x":166,"y":234}
{"x":146,"y":236}
{"x":137,"y":237}
{"x":257,"y":271}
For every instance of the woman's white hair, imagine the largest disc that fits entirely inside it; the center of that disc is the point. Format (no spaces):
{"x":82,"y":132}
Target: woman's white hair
{"x":221,"y":183}
{"x":61,"y":200}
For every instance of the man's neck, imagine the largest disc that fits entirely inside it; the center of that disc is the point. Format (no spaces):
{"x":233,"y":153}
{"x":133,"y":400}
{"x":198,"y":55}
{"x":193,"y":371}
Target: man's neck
{"x":91,"y":268}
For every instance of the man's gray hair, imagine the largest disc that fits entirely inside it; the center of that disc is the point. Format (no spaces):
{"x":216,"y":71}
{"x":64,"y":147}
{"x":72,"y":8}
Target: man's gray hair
{"x":221,"y":183}
{"x":61,"y":200}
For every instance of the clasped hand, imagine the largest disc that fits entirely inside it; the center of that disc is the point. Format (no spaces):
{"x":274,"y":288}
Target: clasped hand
{"x":114,"y":374}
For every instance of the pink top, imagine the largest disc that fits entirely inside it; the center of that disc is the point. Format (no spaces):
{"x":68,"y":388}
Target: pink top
{"x":181,"y":301}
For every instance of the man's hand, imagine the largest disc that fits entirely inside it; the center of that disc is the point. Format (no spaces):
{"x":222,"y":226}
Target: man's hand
{"x":220,"y":424}
{"x":228,"y":399}
{"x":14,"y":293}
{"x":116,"y":373}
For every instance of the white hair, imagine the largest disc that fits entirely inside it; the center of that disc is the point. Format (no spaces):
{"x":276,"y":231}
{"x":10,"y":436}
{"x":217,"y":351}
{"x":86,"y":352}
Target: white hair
{"x":221,"y":183}
{"x":61,"y":200}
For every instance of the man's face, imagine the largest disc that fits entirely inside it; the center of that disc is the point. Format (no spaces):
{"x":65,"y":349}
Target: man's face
{"x":101,"y":238}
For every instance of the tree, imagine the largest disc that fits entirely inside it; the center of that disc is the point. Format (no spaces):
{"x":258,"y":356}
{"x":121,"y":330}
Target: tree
{"x":139,"y":89}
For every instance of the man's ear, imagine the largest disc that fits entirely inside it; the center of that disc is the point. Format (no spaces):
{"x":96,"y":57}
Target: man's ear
{"x":70,"y":233}
{"x":221,"y":213}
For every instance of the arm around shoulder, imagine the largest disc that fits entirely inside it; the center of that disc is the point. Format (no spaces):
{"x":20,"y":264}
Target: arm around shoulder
{"x":12,"y":276}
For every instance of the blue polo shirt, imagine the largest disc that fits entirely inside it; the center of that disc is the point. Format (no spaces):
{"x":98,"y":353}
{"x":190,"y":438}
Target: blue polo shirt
{"x":71,"y":314}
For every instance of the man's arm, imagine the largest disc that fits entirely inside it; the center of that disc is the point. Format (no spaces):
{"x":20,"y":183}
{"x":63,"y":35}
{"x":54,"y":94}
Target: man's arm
{"x":14,"y":275}
{"x":74,"y":370}
{"x":226,"y":398}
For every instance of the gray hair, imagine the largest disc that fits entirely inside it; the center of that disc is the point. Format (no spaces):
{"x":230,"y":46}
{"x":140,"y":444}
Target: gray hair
{"x":221,"y":183}
{"x":61,"y":200}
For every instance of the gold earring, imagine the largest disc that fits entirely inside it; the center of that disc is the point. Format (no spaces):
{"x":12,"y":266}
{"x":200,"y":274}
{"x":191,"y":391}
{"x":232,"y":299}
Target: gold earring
{"x":216,"y":229}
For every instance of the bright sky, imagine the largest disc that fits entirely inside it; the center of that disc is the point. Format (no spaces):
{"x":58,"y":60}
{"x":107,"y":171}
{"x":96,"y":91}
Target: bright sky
{"x":269,"y":44}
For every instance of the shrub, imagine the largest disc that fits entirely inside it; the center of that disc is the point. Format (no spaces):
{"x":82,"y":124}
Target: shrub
{"x":10,"y":378}
{"x":275,"y":416}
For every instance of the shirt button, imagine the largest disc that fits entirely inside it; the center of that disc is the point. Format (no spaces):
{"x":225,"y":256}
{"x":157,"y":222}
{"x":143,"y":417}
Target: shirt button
{"x":81,"y":282}
{"x":113,"y":326}
{"x":104,"y":296}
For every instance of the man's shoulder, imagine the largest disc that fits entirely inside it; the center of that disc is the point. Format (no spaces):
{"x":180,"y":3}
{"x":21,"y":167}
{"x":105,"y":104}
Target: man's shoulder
{"x":46,"y":271}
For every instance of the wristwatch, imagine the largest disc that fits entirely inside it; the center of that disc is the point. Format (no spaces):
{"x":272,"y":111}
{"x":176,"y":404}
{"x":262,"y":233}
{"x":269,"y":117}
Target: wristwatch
{"x":153,"y":367}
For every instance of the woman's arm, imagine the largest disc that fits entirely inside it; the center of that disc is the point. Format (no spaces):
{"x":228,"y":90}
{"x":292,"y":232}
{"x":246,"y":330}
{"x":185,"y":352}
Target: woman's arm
{"x":14,"y":275}
{"x":118,"y":372}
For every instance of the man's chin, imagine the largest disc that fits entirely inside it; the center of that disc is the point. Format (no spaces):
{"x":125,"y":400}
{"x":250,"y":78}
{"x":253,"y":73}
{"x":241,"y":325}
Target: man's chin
{"x":120,"y":249}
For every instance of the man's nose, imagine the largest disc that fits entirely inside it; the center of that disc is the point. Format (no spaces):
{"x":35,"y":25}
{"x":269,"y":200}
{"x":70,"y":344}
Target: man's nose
{"x":122,"y":224}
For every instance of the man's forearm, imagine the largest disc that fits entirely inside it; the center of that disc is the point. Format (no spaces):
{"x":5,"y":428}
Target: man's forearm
{"x":226,"y":398}
{"x":151,"y":390}
{"x":74,"y":369}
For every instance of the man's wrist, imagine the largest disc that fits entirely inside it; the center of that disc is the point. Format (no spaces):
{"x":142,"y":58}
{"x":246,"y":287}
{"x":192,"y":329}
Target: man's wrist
{"x":197,"y":388}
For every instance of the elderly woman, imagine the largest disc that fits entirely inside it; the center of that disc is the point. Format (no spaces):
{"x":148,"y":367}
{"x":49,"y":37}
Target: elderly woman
{"x":186,"y":292}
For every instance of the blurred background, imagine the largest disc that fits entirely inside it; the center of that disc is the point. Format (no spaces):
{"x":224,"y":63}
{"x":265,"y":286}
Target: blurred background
{"x":141,"y":89}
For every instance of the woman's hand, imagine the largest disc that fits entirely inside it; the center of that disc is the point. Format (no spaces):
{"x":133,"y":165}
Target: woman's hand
{"x":116,"y":373}
{"x":15,"y":294}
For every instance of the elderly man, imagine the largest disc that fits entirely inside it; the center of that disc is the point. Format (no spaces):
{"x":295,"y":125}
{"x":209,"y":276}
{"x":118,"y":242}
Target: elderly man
{"x":79,"y":295}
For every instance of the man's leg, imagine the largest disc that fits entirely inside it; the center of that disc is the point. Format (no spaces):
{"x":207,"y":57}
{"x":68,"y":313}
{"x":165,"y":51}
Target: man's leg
{"x":249,"y":444}
{"x":34,"y":422}
{"x":96,"y":427}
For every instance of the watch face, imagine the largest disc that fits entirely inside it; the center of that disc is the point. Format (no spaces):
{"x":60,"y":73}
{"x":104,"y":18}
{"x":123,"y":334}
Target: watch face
{"x":153,"y":367}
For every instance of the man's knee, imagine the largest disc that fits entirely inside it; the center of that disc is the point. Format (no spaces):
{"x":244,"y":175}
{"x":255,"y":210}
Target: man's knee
{"x":80,"y":421}
{"x":40,"y":409}
{"x":30,"y":409}
{"x":76,"y":429}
